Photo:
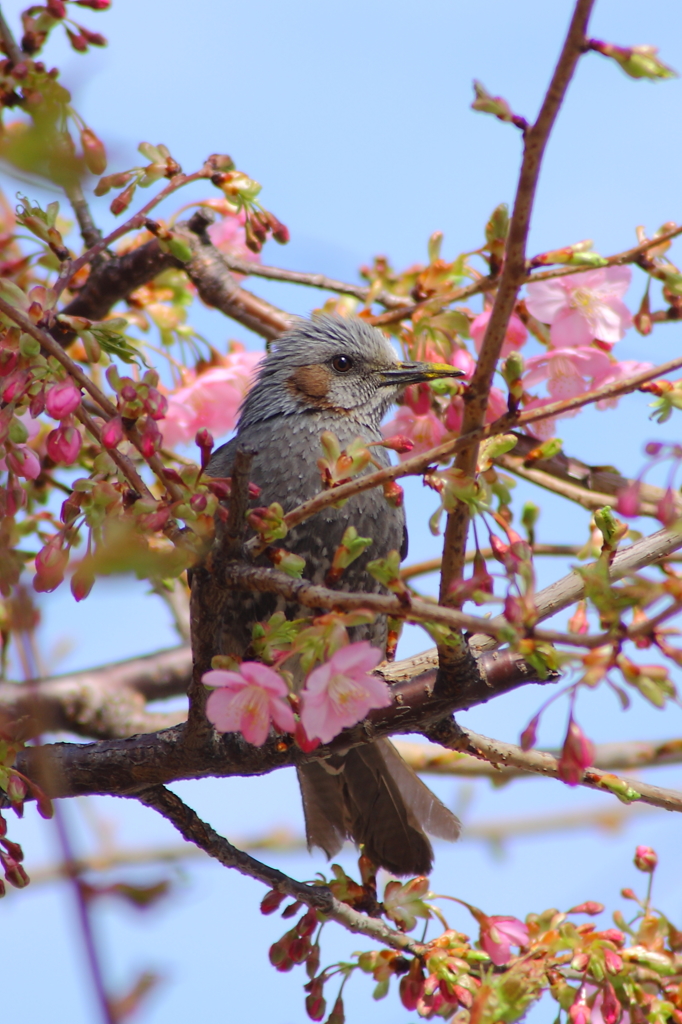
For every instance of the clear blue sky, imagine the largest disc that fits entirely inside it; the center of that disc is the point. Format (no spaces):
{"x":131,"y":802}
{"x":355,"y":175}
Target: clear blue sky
{"x":355,"y":118}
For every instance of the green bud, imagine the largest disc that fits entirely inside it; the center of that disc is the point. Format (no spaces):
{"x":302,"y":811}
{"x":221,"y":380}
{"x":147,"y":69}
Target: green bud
{"x":17,"y":431}
{"x":28,"y":346}
{"x":492,"y":448}
{"x":636,"y":61}
{"x":180,"y":249}
{"x":513,"y":367}
{"x":605,"y":521}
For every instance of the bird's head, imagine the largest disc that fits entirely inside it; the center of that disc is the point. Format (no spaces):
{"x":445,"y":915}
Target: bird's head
{"x":339,"y":365}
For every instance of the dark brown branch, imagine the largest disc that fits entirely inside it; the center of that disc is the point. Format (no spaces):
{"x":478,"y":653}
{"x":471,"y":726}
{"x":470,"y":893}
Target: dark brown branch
{"x":124,"y":767}
{"x":9,"y":44}
{"x":513,"y":276}
{"x":90,"y":233}
{"x":118,"y":277}
{"x":196,"y":831}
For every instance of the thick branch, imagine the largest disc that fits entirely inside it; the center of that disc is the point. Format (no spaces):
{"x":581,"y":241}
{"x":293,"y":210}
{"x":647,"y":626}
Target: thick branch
{"x":123,"y":767}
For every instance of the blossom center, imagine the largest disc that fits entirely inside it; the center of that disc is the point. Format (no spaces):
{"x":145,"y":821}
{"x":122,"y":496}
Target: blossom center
{"x":343,"y":691}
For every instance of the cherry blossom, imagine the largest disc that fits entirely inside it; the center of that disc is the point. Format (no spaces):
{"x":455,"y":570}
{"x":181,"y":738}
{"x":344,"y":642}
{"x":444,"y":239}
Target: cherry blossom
{"x":498,"y":934}
{"x":63,"y":445}
{"x":247,"y":701}
{"x":497,"y":406}
{"x":582,"y":307}
{"x":514,"y":338}
{"x":210,"y":399}
{"x":341,"y":692}
{"x":425,"y":431}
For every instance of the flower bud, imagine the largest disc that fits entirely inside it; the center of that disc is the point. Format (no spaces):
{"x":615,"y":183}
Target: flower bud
{"x":23,"y":461}
{"x":151,"y":438}
{"x":156,"y":404}
{"x":627,"y":503}
{"x":82,"y":582}
{"x":646,"y":859}
{"x":62,"y":399}
{"x":271,"y":901}
{"x":112,"y":432}
{"x":63,"y":445}
{"x":204,"y":441}
{"x":94,"y":153}
{"x":614,"y":962}
{"x":16,"y":789}
{"x":50,"y":562}
{"x":576,"y":756}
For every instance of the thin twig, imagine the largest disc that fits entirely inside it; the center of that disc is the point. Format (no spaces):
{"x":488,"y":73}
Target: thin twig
{"x":419,"y":463}
{"x":539,"y":762}
{"x":90,"y":233}
{"x":8,"y":42}
{"x":512,"y":278}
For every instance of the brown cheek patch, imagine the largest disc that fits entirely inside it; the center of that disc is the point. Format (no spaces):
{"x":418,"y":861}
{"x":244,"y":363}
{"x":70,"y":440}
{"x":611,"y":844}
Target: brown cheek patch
{"x":312,"y":382}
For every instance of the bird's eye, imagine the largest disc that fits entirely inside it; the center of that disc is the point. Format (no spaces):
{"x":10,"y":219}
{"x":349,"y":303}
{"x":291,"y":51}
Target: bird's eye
{"x":342,"y":363}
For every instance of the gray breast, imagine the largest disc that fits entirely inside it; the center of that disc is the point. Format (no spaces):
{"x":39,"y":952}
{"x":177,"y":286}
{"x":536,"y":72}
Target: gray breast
{"x":285,"y":468}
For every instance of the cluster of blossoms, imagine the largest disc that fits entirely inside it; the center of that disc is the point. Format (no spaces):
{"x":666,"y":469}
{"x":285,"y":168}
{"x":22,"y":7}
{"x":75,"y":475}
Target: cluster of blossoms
{"x":628,"y":973}
{"x":586,"y":316}
{"x":336,"y":695}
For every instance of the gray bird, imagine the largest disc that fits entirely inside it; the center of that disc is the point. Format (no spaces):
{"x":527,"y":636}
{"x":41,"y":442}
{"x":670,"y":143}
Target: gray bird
{"x":338,"y":375}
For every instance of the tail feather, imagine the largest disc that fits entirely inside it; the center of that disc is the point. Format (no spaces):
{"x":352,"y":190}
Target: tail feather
{"x":372,"y":797}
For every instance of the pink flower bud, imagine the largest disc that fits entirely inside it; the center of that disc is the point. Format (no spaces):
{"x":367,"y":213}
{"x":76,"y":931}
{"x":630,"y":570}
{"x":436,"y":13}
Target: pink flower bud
{"x":82,"y":582}
{"x":63,"y":445}
{"x":23,"y":461}
{"x":610,"y":1006}
{"x":37,"y":404}
{"x":576,"y":756}
{"x":613,"y":935}
{"x":8,"y":362}
{"x":666,"y":511}
{"x":151,"y":438}
{"x":590,"y":907}
{"x":204,"y":441}
{"x":14,"y":872}
{"x":412,"y":986}
{"x":128,"y":393}
{"x":16,"y":789}
{"x":628,"y":500}
{"x":418,"y":397}
{"x":15,"y":385}
{"x":198,"y":502}
{"x":155,"y":520}
{"x":271,"y":902}
{"x":51,"y":561}
{"x":11,"y":500}
{"x":653,"y":448}
{"x":530,"y":734}
{"x":156,"y":404}
{"x":62,"y":399}
{"x":112,"y":432}
{"x":646,"y":859}
{"x":398,"y":443}
{"x":614,"y":962}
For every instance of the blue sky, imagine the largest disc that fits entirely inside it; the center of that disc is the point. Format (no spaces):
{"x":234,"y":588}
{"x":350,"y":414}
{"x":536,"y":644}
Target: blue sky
{"x":356,"y":119}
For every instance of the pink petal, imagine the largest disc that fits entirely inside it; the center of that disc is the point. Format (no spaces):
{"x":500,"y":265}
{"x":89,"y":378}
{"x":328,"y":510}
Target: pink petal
{"x":570,"y":329}
{"x":512,"y":929}
{"x":611,"y":320}
{"x":282,"y":715}
{"x":545,"y":299}
{"x":356,"y":658}
{"x":264,"y":677}
{"x":221,"y":677}
{"x":618,"y":279}
{"x":499,"y":952}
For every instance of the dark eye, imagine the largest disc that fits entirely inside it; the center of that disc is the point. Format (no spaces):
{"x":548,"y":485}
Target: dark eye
{"x":342,"y":363}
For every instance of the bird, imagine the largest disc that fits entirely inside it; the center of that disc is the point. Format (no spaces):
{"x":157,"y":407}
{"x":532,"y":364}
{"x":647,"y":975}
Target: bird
{"x":337,"y":374}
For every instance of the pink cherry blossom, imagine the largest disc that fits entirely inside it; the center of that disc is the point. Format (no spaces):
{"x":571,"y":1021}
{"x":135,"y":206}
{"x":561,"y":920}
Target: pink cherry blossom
{"x":210,"y":399}
{"x":425,"y":431}
{"x":247,"y":701}
{"x":618,"y":371}
{"x":582,"y":307}
{"x":497,"y":406}
{"x":577,"y":754}
{"x":341,"y":692}
{"x":498,"y":934}
{"x":515,"y":337}
{"x":568,"y":371}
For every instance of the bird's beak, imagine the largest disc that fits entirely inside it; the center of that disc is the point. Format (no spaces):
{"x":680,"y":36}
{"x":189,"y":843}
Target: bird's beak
{"x":415,"y":373}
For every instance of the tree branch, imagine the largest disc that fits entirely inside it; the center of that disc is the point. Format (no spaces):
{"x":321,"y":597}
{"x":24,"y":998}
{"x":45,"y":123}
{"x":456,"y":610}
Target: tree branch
{"x":511,"y":280}
{"x":196,"y":831}
{"x":538,"y":762}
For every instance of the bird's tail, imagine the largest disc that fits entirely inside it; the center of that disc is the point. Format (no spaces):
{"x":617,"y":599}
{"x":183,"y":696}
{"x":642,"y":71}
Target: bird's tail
{"x":371,"y":796}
